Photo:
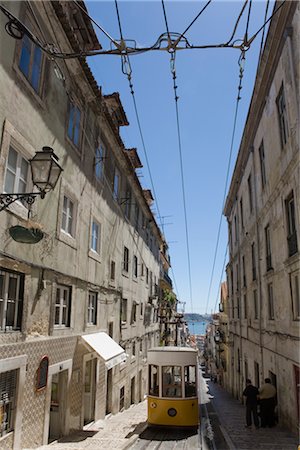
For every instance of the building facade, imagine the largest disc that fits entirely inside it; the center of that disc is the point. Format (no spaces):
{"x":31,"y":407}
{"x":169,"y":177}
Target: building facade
{"x":262,"y":209}
{"x":79,"y":309}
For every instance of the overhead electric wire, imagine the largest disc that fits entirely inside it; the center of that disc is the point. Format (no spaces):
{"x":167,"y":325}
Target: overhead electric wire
{"x":173,"y":71}
{"x":17,"y":29}
{"x":237,"y":22}
{"x":263,"y":34}
{"x":241,"y":60}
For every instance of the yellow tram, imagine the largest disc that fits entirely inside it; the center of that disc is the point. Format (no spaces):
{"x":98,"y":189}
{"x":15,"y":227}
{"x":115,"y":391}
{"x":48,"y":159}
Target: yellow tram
{"x":173,"y":387}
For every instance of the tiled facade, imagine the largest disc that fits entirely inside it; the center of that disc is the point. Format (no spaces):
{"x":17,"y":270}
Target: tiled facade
{"x":76,"y":280}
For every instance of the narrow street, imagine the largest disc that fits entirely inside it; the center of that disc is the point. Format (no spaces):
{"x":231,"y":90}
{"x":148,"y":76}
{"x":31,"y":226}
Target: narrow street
{"x":222,"y":427}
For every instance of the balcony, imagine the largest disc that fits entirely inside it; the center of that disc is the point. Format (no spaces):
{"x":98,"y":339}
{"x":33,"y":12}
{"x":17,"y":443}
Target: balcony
{"x":168,"y":279}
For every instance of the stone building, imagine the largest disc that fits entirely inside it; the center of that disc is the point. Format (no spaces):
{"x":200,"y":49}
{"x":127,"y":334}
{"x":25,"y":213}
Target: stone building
{"x":78,"y":309}
{"x":262,"y":209}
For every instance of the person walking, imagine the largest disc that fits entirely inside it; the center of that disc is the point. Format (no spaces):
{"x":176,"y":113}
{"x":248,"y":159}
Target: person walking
{"x":267,"y":401}
{"x":251,"y":393}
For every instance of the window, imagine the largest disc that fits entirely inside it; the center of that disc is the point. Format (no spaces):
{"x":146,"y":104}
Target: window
{"x":141,"y":347}
{"x":126,"y":259}
{"x":142,"y":269}
{"x":133,"y":349}
{"x":74,"y":124}
{"x":135,"y":266}
{"x":291,"y":225}
{"x":190,"y":389}
{"x":244,"y":272}
{"x":127,"y":203}
{"x":62,"y":306}
{"x":133,"y":313}
{"x":112,"y":270}
{"x":261,"y":151}
{"x":99,"y":162}
{"x":8,"y":400}
{"x":270,"y":301}
{"x":111,"y":329}
{"x":92,"y":309}
{"x":124,"y":310}
{"x":245,"y":307}
{"x":68,"y":218}
{"x":16,"y":175}
{"x":282,"y":116}
{"x":250,"y":193}
{"x":136,"y":215}
{"x":253,"y":262}
{"x":238,"y":307}
{"x":256,"y":374}
{"x":294,"y":284}
{"x":171,"y":381}
{"x":122,"y":398}
{"x":147,"y":275}
{"x":11,"y":300}
{"x":268,"y":248}
{"x":235,"y":230}
{"x":31,"y":62}
{"x":237,"y":278}
{"x":116,"y":185}
{"x":141,"y":309}
{"x":255,"y":304}
{"x":242,"y":213}
{"x":95,"y":237}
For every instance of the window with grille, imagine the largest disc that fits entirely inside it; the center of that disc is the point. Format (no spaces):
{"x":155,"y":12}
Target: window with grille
{"x":62,"y":306}
{"x":92,"y":308}
{"x":8,"y":397}
{"x":11,"y":300}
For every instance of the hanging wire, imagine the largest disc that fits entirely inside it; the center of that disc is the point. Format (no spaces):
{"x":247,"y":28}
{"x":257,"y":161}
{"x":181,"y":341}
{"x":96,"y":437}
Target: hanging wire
{"x":263,"y":34}
{"x":241,"y":63}
{"x":237,"y":22}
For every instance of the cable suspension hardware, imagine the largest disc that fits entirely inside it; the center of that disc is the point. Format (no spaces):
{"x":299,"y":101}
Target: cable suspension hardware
{"x":169,"y":41}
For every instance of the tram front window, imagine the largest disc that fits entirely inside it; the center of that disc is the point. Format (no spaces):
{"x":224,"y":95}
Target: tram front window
{"x":190,"y":381}
{"x":153,"y":380}
{"x":171,"y":381}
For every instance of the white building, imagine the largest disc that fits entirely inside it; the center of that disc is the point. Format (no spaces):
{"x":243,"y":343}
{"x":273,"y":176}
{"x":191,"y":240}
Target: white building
{"x":78,"y":309}
{"x":262,"y":209}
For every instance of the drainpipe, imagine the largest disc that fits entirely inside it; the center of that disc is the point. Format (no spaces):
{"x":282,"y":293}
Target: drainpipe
{"x":258,"y":265}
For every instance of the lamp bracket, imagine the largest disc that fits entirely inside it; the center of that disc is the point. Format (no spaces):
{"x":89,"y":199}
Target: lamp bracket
{"x":8,"y":199}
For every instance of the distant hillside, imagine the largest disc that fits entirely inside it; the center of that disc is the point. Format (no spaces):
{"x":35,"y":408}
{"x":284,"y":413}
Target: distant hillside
{"x":197,"y":317}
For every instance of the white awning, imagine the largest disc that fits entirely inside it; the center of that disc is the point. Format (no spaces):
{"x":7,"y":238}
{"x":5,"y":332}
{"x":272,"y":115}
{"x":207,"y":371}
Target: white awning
{"x":108,"y":350}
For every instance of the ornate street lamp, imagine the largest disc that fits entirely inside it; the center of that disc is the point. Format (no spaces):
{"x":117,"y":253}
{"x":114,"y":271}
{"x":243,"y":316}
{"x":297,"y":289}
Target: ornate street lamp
{"x":45,"y":172}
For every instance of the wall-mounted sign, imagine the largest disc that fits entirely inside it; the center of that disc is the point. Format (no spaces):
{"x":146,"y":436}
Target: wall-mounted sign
{"x":42,"y":374}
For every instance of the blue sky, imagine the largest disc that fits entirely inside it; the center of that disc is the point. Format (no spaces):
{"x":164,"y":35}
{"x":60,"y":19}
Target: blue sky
{"x":207,"y":81}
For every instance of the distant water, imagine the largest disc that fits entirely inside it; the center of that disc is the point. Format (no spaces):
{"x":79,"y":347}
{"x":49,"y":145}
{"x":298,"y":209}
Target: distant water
{"x":197,"y":327}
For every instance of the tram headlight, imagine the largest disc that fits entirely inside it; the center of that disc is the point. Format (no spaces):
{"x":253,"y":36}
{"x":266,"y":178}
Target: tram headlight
{"x":153,"y":405}
{"x":172,"y":412}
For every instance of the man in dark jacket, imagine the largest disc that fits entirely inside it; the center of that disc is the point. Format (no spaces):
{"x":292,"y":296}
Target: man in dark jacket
{"x":251,"y":393}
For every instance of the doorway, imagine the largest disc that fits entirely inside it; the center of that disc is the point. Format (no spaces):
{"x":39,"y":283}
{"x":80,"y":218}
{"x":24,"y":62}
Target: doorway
{"x":140,"y":386}
{"x":132,"y":390}
{"x":58,"y":405}
{"x":89,"y":390}
{"x":109,"y":392}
